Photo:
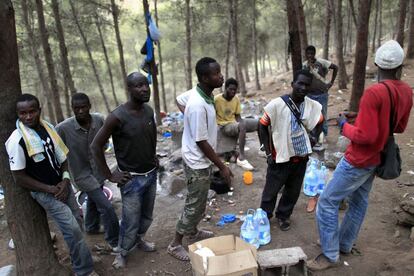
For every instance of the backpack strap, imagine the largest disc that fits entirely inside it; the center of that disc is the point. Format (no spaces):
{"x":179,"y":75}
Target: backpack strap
{"x":392,"y":112}
{"x":293,"y":108}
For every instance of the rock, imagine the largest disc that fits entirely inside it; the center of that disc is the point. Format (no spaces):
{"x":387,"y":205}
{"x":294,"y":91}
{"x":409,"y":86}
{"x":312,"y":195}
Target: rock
{"x":174,"y":184}
{"x":404,"y":217}
{"x":397,"y":234}
{"x":407,"y":204}
{"x":211,"y":194}
{"x":8,"y":270}
{"x":412,"y":234}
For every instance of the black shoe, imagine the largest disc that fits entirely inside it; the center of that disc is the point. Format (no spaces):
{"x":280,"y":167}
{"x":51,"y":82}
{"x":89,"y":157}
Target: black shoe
{"x":284,"y":224}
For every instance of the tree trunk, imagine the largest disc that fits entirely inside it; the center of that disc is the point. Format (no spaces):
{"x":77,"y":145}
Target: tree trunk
{"x":328,"y":15}
{"x":25,"y":218}
{"x":269,"y":63}
{"x":228,"y":52}
{"x":254,"y":38}
{"x":174,"y":81}
{"x":67,"y":100}
{"x":67,"y":75}
{"x":410,"y":47}
{"x":343,"y":77}
{"x":235,"y":42}
{"x":188,"y":44}
{"x":286,"y":51}
{"x":351,"y":6}
{"x":294,"y":47}
{"x":153,"y":68}
{"x":379,"y":24}
{"x":246,"y":73}
{"x":164,"y":97}
{"x":401,"y":21}
{"x":374,"y":35}
{"x":49,"y":61}
{"x":115,"y":15}
{"x":108,"y":64}
{"x":301,"y":25}
{"x":90,"y":57}
{"x":33,"y":47}
{"x":361,"y":53}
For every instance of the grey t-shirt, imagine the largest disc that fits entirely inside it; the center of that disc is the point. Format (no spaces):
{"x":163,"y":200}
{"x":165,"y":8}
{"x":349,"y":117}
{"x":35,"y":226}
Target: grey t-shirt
{"x":135,"y":140}
{"x":319,"y":70}
{"x":85,"y":174}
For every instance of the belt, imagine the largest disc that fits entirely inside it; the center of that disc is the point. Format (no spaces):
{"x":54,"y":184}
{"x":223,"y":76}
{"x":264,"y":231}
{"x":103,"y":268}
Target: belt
{"x":140,"y":174}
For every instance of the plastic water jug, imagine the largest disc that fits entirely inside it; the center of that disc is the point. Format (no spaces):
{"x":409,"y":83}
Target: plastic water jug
{"x":264,"y":226}
{"x":310,"y":183}
{"x":321,"y":179}
{"x":249,"y":231}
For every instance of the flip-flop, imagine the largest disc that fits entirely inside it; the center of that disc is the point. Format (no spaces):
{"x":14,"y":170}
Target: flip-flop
{"x":178,"y":252}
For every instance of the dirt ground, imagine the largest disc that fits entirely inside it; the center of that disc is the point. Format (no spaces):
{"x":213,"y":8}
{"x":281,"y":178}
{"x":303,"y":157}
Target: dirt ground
{"x":386,"y":247}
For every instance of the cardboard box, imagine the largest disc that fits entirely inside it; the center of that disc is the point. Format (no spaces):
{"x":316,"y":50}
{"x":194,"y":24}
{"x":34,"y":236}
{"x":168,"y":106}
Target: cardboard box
{"x":234,"y":257}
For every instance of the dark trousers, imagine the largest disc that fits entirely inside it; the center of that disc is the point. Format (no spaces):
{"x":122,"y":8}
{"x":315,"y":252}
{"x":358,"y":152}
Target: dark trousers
{"x":288,"y":175}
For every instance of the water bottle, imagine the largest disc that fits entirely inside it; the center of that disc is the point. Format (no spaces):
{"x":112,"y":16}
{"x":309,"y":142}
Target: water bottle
{"x":321,"y":179}
{"x":264,"y":226}
{"x":311,"y":179}
{"x":249,"y":231}
{"x":84,"y":207}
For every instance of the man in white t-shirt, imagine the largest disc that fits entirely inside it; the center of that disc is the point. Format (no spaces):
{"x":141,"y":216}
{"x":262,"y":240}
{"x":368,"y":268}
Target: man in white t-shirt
{"x":198,"y":151}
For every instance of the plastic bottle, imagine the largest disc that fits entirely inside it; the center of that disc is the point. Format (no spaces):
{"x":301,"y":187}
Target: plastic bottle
{"x":264,"y":226}
{"x":248,"y":177}
{"x":321,"y":179}
{"x":84,"y":207}
{"x":249,"y":231}
{"x":311,"y":179}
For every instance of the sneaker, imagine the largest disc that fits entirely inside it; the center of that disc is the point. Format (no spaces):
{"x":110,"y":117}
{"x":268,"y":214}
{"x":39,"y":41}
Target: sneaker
{"x":318,"y":147}
{"x":284,"y":224}
{"x":119,"y":262}
{"x":245,"y":164}
{"x":321,"y":263}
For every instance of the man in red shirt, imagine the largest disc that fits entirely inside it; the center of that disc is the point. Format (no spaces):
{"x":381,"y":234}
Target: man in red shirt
{"x":355,"y":173}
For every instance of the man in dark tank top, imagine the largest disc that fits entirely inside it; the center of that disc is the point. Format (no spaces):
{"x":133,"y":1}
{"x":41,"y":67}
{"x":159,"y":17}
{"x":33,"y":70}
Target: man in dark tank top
{"x":133,"y":131}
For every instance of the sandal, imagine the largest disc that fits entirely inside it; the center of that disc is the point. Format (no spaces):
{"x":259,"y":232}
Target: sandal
{"x":201,"y":235}
{"x":312,"y":204}
{"x":178,"y":252}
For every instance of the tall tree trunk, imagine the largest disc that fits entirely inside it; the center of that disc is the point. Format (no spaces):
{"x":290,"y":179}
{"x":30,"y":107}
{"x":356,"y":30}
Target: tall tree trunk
{"x":262,"y":61}
{"x":67,"y":100}
{"x":361,"y":53}
{"x":286,"y":51}
{"x":410,"y":47}
{"x":294,"y":47}
{"x":153,"y":68}
{"x":246,"y":73}
{"x":228,"y":51}
{"x":343,"y":77}
{"x":163,"y":94}
{"x":302,"y":25}
{"x":33,"y":47}
{"x":351,"y":6}
{"x":401,"y":21}
{"x":188,"y":44}
{"x":235,"y":42}
{"x":108,"y":64}
{"x":90,"y":57}
{"x":26,"y":220}
{"x":67,"y":75}
{"x":115,"y":15}
{"x":379,"y":25}
{"x":174,"y":81}
{"x":49,"y":61}
{"x":328,"y":17}
{"x":374,"y":35}
{"x":254,"y":38}
{"x":269,"y":63}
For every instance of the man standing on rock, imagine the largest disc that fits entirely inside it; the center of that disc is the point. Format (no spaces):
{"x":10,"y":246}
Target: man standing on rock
{"x":289,"y":118}
{"x":134,"y":135}
{"x":355,"y":172}
{"x":78,"y":133}
{"x":228,"y":110}
{"x":37,"y":157}
{"x":198,"y":144}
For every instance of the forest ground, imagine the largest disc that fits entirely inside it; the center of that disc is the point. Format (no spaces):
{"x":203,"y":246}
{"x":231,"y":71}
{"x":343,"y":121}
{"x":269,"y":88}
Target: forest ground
{"x":386,"y":247}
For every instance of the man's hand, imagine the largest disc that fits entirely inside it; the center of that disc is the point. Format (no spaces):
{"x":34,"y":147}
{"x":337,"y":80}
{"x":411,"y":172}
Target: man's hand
{"x":121,"y":178}
{"x":63,"y":190}
{"x":341,"y":120}
{"x":227,"y":175}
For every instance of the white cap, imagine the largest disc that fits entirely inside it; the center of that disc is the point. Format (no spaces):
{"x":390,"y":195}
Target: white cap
{"x":390,"y":55}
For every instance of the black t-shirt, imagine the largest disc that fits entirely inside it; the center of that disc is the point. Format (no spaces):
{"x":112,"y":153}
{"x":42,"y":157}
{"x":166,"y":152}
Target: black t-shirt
{"x":48,"y":170}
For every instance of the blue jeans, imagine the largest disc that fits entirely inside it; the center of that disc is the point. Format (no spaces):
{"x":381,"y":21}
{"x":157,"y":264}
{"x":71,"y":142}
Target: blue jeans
{"x":323,"y":100}
{"x":63,"y":216}
{"x":347,"y":182}
{"x":138,"y":196}
{"x":98,"y":205}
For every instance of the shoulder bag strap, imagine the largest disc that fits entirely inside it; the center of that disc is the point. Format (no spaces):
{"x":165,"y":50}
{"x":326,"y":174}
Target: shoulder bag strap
{"x":392,"y":115}
{"x":293,"y":108}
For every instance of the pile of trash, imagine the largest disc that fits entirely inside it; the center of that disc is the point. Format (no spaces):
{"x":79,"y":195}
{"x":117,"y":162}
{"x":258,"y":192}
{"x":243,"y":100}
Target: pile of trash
{"x":405,"y":210}
{"x":252,"y":108}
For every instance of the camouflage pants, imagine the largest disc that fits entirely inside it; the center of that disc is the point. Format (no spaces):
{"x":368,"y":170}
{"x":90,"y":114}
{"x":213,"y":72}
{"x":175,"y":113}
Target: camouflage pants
{"x":198,"y":184}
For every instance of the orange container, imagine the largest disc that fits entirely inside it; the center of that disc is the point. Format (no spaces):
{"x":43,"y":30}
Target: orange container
{"x":248,"y":177}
